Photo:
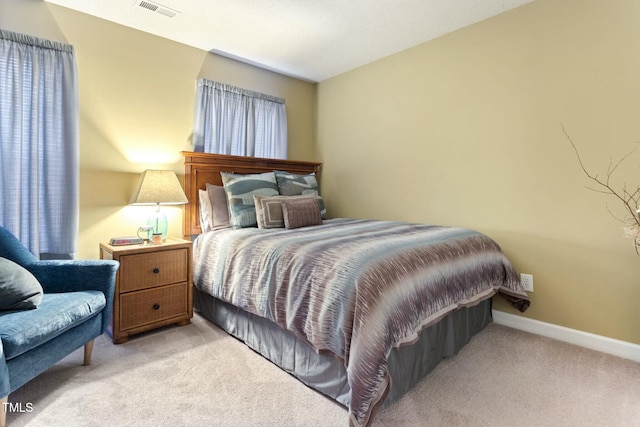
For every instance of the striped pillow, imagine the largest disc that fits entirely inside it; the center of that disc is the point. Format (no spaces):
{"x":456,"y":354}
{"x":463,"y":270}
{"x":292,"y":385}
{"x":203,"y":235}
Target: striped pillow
{"x":240,"y":190}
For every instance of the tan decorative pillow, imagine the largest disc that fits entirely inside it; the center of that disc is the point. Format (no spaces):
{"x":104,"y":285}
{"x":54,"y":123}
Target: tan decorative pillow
{"x":269,"y":209}
{"x":301,"y":212}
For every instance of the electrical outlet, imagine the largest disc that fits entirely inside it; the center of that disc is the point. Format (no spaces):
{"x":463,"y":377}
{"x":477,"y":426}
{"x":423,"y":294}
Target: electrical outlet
{"x":526,"y":280}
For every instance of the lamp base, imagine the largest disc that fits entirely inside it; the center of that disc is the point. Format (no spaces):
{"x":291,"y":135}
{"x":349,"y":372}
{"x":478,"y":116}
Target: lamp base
{"x":159,"y":223}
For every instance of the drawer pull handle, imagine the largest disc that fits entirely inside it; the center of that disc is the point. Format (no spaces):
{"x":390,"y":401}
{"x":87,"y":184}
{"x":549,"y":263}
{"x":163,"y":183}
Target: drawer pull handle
{"x":156,"y":270}
{"x":156,"y":306}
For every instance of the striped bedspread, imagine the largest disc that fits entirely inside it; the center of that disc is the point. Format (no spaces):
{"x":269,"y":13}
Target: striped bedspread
{"x":355,"y":288}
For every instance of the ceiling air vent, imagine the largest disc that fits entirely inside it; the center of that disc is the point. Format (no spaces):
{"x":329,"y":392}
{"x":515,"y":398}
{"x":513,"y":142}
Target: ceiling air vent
{"x":157,"y":8}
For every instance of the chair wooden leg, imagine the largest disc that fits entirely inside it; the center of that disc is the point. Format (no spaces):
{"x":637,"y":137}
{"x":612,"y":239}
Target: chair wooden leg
{"x":88,"y":349}
{"x":3,"y":411}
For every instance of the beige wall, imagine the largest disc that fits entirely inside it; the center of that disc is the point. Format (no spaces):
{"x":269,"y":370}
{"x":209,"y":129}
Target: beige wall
{"x":466,"y":130}
{"x":136,"y":109}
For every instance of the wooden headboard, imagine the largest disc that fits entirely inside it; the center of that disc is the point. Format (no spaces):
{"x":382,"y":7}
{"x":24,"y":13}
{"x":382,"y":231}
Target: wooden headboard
{"x":203,"y":168}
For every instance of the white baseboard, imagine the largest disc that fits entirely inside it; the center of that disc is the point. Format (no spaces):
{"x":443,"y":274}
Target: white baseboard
{"x":612,"y":346}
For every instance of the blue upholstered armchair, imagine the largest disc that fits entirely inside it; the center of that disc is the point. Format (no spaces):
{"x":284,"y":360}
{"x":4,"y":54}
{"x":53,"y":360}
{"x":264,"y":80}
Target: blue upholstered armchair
{"x":73,"y":309}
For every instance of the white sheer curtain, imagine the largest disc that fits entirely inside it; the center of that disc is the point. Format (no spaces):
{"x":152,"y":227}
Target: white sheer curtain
{"x":39,"y":144}
{"x":230,"y":120}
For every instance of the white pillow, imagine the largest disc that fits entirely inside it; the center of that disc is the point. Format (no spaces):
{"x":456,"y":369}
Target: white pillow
{"x":205,"y":211}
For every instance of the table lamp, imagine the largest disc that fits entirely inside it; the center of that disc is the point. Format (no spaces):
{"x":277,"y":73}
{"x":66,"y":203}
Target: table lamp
{"x":159,"y":187}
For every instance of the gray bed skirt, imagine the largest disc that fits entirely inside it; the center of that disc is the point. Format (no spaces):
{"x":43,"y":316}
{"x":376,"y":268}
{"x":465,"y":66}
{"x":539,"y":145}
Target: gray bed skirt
{"x":324,"y":372}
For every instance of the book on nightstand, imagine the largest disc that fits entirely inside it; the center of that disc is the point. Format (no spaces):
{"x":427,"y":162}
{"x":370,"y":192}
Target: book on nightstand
{"x":120,"y":241}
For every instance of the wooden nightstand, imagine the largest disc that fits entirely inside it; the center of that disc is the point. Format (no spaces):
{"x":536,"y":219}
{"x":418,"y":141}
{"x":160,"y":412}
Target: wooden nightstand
{"x":153,"y":287}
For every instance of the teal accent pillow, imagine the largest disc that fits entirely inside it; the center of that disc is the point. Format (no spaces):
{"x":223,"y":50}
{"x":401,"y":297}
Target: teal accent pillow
{"x":240,"y":190}
{"x":19,"y":289}
{"x":291,"y":184}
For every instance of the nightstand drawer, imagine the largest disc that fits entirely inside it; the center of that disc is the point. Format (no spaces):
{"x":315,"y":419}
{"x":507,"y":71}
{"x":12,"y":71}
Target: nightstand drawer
{"x":151,"y":269}
{"x":152,"y":305}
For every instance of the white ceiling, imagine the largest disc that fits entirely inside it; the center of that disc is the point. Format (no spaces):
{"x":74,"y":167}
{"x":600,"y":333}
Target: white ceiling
{"x":308,"y":39}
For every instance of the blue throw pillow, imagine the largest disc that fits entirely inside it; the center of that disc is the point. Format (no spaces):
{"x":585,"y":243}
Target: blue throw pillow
{"x":19,"y":289}
{"x":240,"y":190}
{"x":291,"y":184}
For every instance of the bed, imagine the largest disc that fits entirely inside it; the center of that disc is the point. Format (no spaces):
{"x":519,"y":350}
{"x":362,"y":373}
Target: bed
{"x":359,"y":310}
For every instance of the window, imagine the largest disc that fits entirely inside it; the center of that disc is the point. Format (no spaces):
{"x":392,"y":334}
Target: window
{"x":39,"y":151}
{"x":230,"y":120}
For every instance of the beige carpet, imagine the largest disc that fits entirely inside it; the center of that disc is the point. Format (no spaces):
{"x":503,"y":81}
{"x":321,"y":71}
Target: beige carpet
{"x":198,"y":376}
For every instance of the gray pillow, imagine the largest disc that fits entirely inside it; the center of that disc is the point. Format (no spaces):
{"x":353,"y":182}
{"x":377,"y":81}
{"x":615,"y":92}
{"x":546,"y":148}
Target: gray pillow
{"x":240,"y":190}
{"x":219,"y":208}
{"x":19,"y":289}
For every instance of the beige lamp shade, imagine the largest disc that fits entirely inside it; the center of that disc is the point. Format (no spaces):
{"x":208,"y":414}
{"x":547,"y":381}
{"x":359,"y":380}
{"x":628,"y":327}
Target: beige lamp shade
{"x":159,"y":187}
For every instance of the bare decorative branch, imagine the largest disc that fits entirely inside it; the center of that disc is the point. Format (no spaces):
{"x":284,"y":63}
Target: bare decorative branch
{"x":630,"y":199}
